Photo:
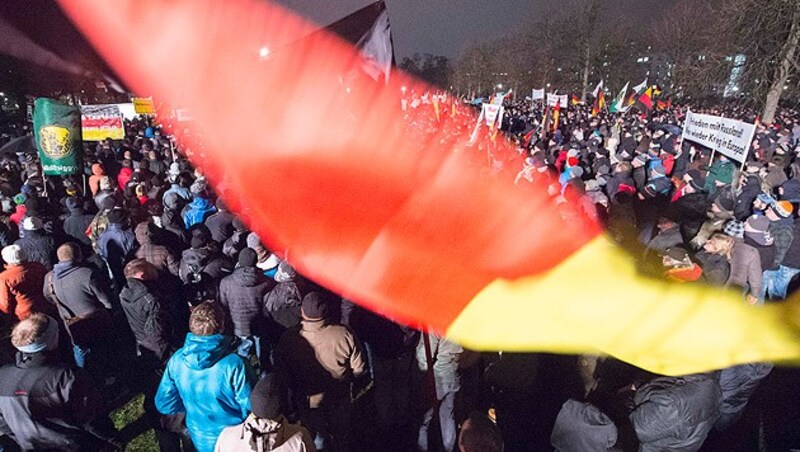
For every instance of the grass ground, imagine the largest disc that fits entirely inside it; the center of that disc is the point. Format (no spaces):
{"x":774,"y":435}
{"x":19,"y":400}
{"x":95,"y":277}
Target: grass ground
{"x":129,"y":419}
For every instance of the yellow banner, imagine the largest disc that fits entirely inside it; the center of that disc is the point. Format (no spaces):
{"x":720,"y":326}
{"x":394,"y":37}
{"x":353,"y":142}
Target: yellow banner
{"x":144,"y":106}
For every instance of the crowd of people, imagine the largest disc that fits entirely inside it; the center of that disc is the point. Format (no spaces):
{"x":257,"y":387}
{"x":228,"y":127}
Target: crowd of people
{"x":136,"y":277}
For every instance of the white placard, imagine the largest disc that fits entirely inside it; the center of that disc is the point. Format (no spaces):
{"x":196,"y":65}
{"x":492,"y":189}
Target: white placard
{"x":729,"y":137}
{"x":553,"y":99}
{"x":537,"y":94}
{"x":491,"y":113}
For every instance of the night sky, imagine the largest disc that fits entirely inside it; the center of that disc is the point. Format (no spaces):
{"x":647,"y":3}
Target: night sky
{"x":439,"y":27}
{"x":447,"y":27}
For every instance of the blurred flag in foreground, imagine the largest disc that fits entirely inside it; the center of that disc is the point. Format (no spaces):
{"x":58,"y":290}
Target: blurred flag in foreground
{"x":402,"y":224}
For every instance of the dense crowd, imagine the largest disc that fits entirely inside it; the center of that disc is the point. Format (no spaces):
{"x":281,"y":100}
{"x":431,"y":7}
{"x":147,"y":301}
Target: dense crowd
{"x":136,"y":277}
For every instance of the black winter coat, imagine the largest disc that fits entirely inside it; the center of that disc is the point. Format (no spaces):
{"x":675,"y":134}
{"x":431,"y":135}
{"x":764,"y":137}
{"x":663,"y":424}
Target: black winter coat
{"x":283,"y":303}
{"x":244,"y":294}
{"x":221,"y":225}
{"x":48,"y":406}
{"x":147,"y":316}
{"x":743,"y":207}
{"x":39,"y":247}
{"x":203,"y":261}
{"x":75,"y":226}
{"x":676,"y":413}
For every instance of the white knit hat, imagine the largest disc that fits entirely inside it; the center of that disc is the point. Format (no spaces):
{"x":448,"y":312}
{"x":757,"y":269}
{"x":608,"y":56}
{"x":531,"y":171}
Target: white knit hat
{"x":32,"y":224}
{"x":13,"y":255}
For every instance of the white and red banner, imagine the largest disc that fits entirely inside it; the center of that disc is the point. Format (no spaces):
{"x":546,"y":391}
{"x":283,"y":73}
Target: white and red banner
{"x":99,"y":122}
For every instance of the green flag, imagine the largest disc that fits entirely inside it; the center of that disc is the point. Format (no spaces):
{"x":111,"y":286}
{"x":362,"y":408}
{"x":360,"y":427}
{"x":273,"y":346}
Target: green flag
{"x":617,"y":105}
{"x":57,"y":131}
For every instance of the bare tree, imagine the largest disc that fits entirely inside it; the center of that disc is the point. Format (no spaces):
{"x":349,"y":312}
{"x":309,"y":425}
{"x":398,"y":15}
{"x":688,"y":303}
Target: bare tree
{"x":767,"y":32}
{"x":698,"y":51}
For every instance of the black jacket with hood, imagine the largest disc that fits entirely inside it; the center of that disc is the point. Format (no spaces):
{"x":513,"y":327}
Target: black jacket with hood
{"x":49,"y":406}
{"x":244,"y":294}
{"x":147,"y":317}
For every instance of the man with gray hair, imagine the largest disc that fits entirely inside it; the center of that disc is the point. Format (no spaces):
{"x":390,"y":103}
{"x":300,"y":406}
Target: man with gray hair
{"x":44,"y":404}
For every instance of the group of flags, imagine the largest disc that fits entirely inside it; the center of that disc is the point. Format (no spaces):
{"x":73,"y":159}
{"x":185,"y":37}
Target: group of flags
{"x":641,"y":96}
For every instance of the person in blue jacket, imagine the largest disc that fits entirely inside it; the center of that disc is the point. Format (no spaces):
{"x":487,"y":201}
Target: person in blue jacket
{"x":200,"y":208}
{"x":206,"y":380}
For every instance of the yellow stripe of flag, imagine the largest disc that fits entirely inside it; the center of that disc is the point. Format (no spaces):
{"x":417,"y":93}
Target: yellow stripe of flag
{"x":595,"y":301}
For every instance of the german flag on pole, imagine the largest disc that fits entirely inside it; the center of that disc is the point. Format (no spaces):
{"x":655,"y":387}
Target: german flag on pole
{"x":596,"y":107}
{"x":646,"y":99}
{"x":556,"y":115}
{"x":410,"y":230}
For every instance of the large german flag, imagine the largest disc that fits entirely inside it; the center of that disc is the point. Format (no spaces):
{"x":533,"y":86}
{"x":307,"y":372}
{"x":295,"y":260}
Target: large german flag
{"x":399,"y":222}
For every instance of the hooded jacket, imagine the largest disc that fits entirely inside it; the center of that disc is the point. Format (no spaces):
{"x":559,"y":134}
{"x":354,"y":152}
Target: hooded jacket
{"x":318,"y":357}
{"x":124,"y":177}
{"x":220,"y":224}
{"x":146,"y":316}
{"x":39,"y":247}
{"x":259,"y":435}
{"x":21,"y":290}
{"x":283,"y":303}
{"x":243,"y":293}
{"x":197,"y":211}
{"x":582,"y":427}
{"x":94,"y":179}
{"x":116,"y":245}
{"x":158,"y":255}
{"x":208,"y":382}
{"x":738,"y":383}
{"x":676,"y":413}
{"x":79,"y":288}
{"x":202,"y":260}
{"x":76,"y":224}
{"x":49,"y":406}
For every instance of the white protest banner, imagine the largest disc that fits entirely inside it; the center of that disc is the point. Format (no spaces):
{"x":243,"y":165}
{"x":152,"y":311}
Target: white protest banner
{"x":537,"y":94}
{"x":491,"y":112}
{"x":727,"y":136}
{"x":554,"y":99}
{"x":99,"y":122}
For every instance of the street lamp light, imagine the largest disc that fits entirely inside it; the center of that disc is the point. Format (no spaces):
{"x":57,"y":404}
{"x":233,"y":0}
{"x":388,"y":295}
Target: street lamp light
{"x":499,"y":86}
{"x":403,"y":89}
{"x":263,"y":52}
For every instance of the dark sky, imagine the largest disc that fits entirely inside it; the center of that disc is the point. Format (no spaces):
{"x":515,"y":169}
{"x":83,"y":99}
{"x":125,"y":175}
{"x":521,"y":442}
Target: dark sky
{"x":447,"y":27}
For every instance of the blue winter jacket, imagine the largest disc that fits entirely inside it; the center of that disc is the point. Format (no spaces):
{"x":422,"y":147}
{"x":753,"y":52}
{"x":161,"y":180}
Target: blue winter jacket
{"x":208,"y":382}
{"x":197,"y":211}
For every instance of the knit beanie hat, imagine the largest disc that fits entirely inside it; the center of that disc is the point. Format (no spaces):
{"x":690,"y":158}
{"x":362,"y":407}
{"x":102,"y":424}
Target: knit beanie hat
{"x":248,"y":258}
{"x":313,"y":306}
{"x":32,"y":224}
{"x":285,"y":272}
{"x":783,"y":209}
{"x":735,"y":229}
{"x":108,"y":203}
{"x":253,"y":241}
{"x":765,"y":198}
{"x":268,"y":397}
{"x":725,"y":203}
{"x":116,"y":216}
{"x":14,"y":255}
